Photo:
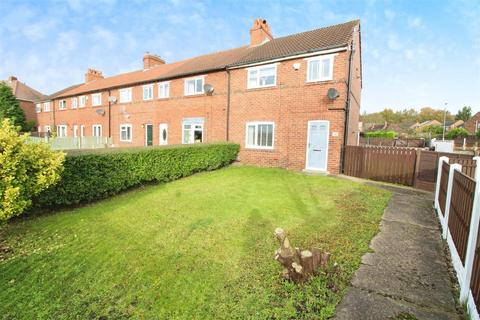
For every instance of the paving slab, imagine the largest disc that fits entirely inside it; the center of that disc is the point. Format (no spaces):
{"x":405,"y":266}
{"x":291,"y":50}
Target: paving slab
{"x":407,"y":275}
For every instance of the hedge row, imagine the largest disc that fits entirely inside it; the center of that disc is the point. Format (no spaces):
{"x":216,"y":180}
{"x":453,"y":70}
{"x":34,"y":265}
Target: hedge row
{"x":94,"y":175}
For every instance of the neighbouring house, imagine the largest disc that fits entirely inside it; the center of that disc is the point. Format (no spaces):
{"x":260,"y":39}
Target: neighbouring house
{"x":420,"y":126}
{"x":289,"y":102}
{"x":26,"y":96}
{"x":367,"y":127}
{"x":472,"y":125}
{"x":453,"y":124}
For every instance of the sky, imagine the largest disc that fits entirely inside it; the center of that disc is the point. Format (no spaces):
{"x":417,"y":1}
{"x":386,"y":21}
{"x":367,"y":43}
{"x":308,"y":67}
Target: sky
{"x":415,"y":53}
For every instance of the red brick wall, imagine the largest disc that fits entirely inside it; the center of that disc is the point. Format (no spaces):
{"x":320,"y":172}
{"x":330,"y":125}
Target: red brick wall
{"x":472,"y":122}
{"x":290,"y":104}
{"x":28,"y":108}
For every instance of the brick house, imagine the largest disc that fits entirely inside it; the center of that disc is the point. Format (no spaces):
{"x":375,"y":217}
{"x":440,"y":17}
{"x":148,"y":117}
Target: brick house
{"x":26,"y":96}
{"x":473,"y":124}
{"x":289,"y":102}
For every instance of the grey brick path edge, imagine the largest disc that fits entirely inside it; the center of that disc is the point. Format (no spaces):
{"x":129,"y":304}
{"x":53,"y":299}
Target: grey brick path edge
{"x":406,"y":276}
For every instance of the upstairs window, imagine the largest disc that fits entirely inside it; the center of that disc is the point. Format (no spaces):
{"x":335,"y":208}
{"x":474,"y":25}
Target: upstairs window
{"x":46,"y":106}
{"x":320,"y":68}
{"x":261,"y":77}
{"x":163,"y":90}
{"x":148,"y":92}
{"x":38,"y":108}
{"x":81,"y":101}
{"x":260,"y":135}
{"x":63,"y":105}
{"x":74,"y":103}
{"x":194,"y":86}
{"x":96,"y":99}
{"x":125,"y":95}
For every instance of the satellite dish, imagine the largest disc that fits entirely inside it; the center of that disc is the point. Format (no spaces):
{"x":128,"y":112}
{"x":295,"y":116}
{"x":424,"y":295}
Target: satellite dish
{"x":112,"y":99}
{"x":208,"y":88}
{"x":332,"y":94}
{"x":100,"y":112}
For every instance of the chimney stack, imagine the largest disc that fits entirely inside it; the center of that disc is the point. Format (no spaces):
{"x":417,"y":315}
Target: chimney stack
{"x":260,"y":32}
{"x":92,"y":75}
{"x":12,"y":78}
{"x":151,"y":60}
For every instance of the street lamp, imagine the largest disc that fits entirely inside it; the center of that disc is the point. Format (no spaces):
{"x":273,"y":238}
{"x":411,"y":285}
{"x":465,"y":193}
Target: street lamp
{"x":444,"y":120}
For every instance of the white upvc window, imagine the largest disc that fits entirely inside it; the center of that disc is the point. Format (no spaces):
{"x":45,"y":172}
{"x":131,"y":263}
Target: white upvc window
{"x":74,"y":103}
{"x":62,"y":130}
{"x":148,"y":92}
{"x":46,"y":106}
{"x":262,"y":77}
{"x":194,"y":86}
{"x":82,"y":130}
{"x":260,"y":135}
{"x":38,"y":107}
{"x":81,"y":101}
{"x":97,"y":130}
{"x":126,"y":133}
{"x":164,"y":90}
{"x":192,"y":131}
{"x":96,"y":99}
{"x":125,"y":95}
{"x":62,"y":105}
{"x":320,"y":68}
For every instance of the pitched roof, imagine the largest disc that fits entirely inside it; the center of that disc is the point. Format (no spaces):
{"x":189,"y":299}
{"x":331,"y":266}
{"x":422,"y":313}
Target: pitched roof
{"x":23,"y":92}
{"x":305,"y":42}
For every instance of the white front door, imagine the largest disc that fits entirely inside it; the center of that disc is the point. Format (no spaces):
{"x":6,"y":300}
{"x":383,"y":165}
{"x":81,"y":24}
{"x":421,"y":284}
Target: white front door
{"x":163,"y":134}
{"x":317,"y":145}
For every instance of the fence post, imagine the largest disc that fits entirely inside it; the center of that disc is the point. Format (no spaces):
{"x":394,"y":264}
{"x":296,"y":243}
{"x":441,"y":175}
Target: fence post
{"x":453,"y":167}
{"x":472,"y":238}
{"x":441,"y":160}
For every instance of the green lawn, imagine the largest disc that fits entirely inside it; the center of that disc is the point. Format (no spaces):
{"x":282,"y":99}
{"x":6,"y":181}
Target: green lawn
{"x":198,"y":248}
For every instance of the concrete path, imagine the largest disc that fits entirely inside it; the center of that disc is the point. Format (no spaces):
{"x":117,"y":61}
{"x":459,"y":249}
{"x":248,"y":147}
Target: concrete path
{"x":406,"y":276}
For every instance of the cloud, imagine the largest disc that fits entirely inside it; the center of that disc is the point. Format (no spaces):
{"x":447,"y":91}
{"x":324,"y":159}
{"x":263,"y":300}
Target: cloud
{"x":416,"y":22}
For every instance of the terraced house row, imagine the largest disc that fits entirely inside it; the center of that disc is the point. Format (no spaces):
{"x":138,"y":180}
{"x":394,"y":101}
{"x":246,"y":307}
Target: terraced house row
{"x":289,"y":102}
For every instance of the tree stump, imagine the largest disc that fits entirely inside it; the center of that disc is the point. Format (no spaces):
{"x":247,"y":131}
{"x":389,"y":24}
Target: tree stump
{"x":299,"y":265}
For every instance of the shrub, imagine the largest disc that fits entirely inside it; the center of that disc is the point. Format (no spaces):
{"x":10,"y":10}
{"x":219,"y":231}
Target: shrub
{"x":25,"y":170}
{"x":456,"y":132}
{"x":433,"y":129}
{"x":94,"y":175}
{"x":381,"y":134}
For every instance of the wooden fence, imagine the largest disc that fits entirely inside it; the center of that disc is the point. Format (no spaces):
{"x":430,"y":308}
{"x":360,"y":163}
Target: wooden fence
{"x":459,"y":215}
{"x":389,"y":142}
{"x":387,"y":164}
{"x":407,"y":166}
{"x":442,"y":195}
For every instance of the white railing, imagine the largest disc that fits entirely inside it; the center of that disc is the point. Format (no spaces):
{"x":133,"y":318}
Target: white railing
{"x":70,"y":143}
{"x":463,"y":270}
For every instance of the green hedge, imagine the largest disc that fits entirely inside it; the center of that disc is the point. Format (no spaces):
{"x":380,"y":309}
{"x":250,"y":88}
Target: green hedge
{"x":381,"y":134}
{"x":93,"y":175}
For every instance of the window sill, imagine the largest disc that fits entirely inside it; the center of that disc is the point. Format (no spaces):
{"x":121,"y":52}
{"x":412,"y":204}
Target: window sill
{"x":163,"y":98}
{"x":319,"y":81}
{"x":126,"y":141}
{"x":260,"y":88}
{"x":259,"y":149}
{"x":194,"y":94}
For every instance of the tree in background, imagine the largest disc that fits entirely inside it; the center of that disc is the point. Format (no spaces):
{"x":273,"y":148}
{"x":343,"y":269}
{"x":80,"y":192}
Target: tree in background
{"x":10,"y":108}
{"x":381,"y":134}
{"x":428,"y":113}
{"x":464,"y":114}
{"x":406,"y":117}
{"x":456,"y":132}
{"x":478,"y":133}
{"x":25,"y":170}
{"x":433,"y":130}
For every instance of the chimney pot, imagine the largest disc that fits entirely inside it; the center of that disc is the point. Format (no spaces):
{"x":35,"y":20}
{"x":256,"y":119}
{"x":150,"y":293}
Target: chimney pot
{"x":12,"y":78}
{"x":151,"y":60}
{"x":92,"y":75}
{"x":260,"y":32}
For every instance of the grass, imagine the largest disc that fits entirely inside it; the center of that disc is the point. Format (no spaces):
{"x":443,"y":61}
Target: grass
{"x":197,"y":248}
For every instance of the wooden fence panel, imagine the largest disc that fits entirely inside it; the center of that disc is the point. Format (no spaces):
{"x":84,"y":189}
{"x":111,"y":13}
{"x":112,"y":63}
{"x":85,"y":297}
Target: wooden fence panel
{"x":442,"y":196}
{"x":460,"y":213}
{"x":426,"y":171}
{"x":388,"y":164}
{"x":475,"y":281}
